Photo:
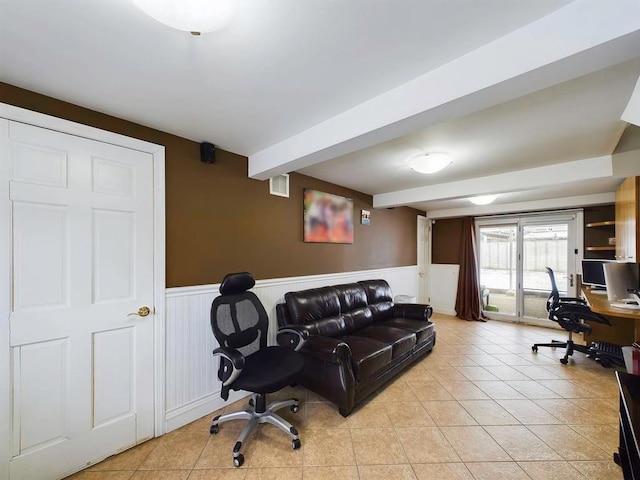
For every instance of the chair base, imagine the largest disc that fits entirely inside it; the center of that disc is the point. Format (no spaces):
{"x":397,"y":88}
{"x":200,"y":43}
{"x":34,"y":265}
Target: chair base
{"x":607,"y":354}
{"x":569,"y":345}
{"x":255,"y":416}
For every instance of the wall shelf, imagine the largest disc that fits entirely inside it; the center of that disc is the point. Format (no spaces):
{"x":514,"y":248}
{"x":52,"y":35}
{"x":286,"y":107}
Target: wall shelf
{"x":608,"y":223}
{"x":599,"y":229}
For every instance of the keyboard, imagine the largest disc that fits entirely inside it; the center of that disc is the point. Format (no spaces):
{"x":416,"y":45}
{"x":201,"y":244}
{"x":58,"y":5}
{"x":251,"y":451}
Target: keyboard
{"x":629,"y":305}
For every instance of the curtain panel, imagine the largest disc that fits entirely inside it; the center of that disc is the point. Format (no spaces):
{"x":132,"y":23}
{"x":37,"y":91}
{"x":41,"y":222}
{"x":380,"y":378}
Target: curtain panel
{"x":468,"y":306}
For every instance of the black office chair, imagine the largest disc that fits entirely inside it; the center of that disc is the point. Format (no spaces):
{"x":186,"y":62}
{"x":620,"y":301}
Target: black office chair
{"x":569,"y":313}
{"x":240,"y":324}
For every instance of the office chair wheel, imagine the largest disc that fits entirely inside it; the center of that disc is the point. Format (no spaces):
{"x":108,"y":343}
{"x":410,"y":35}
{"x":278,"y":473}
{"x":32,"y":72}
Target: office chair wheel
{"x":296,"y":444}
{"x":252,"y":403}
{"x":534,"y":349}
{"x":295,"y":408}
{"x":214,"y":429}
{"x":238,"y":461}
{"x":564,"y":361}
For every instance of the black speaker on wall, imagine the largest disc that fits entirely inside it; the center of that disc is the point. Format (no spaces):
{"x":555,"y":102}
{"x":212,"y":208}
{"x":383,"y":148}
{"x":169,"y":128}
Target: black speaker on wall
{"x":207,"y":152}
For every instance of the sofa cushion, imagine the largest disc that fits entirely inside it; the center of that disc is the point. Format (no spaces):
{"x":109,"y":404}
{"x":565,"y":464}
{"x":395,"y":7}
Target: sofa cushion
{"x":377,"y":291}
{"x":367,"y":356}
{"x":423,"y":330}
{"x":381,"y":311}
{"x":309,"y":306}
{"x":352,"y":296}
{"x":357,"y":319}
{"x":328,"y":327}
{"x":401,"y":341}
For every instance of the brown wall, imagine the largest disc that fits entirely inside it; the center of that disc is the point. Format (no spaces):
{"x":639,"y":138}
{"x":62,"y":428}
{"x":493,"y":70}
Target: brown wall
{"x":445,"y":239}
{"x":220,"y":221}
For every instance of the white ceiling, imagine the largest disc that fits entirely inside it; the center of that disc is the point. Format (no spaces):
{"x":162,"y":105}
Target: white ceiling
{"x":322,"y":86}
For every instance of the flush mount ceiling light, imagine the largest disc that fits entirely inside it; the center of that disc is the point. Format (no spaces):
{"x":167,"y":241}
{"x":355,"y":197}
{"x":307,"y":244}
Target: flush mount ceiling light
{"x":430,"y":162}
{"x":483,"y":199}
{"x":195,"y":16}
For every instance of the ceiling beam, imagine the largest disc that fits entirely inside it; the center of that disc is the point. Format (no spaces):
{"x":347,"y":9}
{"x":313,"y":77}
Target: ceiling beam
{"x":583,"y":37}
{"x":631,"y":114}
{"x":531,"y":206}
{"x":532,"y":178}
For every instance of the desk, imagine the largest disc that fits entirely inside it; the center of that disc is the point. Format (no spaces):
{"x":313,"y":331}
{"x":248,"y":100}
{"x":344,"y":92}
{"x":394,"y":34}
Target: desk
{"x":625,"y":323}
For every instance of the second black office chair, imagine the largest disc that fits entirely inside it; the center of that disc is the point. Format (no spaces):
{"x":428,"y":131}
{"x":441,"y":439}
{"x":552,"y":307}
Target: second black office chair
{"x":240,"y":324}
{"x":569,"y":313}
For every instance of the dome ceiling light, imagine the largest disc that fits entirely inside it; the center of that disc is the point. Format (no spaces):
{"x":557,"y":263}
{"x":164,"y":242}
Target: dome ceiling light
{"x":483,"y":199}
{"x":195,"y":16}
{"x":430,"y":162}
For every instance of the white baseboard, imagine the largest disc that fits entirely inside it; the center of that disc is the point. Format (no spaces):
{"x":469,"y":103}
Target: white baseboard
{"x":444,"y":311}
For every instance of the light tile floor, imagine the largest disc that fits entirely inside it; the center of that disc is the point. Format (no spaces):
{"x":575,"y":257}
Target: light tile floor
{"x":480,"y":406}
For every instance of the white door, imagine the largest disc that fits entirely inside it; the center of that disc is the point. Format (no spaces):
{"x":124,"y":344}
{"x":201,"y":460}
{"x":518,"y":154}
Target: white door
{"x":81,"y":369}
{"x":424,"y":225}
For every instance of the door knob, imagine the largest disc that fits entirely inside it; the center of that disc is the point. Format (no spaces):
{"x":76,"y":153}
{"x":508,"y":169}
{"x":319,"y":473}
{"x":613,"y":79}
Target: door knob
{"x":142,"y":312}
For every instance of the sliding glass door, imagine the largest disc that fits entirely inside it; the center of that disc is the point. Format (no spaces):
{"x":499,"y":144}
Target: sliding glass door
{"x":513,"y":254}
{"x":498,"y":252}
{"x":543,"y":245}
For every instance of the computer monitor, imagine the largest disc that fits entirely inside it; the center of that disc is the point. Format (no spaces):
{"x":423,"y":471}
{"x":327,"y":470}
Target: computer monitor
{"x":620,"y":277}
{"x":593,"y":273}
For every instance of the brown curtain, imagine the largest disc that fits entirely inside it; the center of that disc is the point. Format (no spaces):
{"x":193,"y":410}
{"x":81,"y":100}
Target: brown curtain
{"x":468,"y":305}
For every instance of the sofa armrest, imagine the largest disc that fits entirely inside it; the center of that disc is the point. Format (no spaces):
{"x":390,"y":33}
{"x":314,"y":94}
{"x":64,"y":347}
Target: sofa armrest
{"x":413,"y":311}
{"x":327,"y":348}
{"x":282,"y":314}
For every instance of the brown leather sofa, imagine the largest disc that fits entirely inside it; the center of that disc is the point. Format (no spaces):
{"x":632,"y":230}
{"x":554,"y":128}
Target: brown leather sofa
{"x":355,"y":338}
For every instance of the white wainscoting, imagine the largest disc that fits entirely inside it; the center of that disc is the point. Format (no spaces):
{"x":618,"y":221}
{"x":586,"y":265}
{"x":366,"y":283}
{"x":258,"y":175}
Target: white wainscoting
{"x":192,"y":385}
{"x":444,"y":287}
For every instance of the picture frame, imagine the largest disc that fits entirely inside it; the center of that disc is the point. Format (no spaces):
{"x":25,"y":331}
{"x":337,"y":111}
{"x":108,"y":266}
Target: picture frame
{"x":328,"y":218}
{"x":365,"y":217}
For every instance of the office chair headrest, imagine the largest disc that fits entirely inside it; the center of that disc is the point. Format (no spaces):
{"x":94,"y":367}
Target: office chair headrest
{"x":234,"y":283}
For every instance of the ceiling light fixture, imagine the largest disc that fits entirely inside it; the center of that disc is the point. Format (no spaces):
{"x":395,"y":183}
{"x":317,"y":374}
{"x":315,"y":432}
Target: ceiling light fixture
{"x":483,"y":199}
{"x":430,"y":162}
{"x":195,"y":16}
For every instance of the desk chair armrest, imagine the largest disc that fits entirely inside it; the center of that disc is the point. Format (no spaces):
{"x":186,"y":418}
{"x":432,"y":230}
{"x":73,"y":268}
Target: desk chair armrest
{"x":231,"y":364}
{"x":580,"y":301}
{"x":292,"y":337}
{"x":579,"y":311}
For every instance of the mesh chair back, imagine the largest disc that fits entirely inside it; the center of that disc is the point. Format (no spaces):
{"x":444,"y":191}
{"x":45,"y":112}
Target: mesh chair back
{"x":554,"y":297}
{"x":238,"y":319}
